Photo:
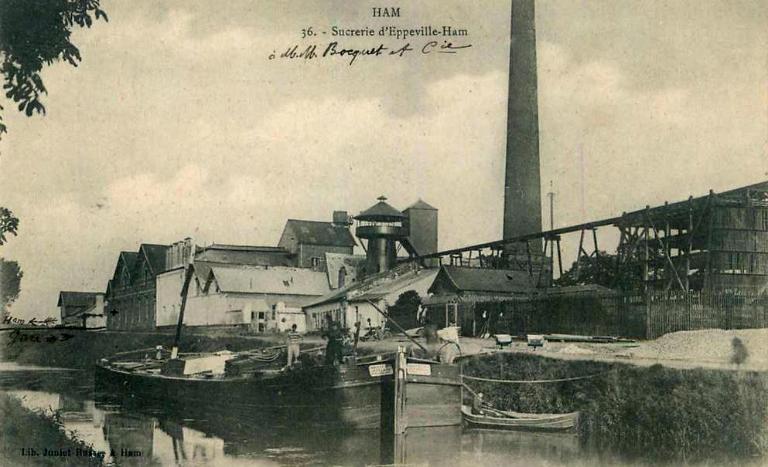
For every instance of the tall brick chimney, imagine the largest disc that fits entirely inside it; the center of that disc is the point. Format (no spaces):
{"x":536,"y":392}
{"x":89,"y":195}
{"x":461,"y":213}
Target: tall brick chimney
{"x":522,"y":187}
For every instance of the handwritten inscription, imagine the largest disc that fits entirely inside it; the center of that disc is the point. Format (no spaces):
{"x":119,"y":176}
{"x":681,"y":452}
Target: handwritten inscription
{"x":33,"y":322}
{"x":17,"y":336}
{"x":336,"y":50}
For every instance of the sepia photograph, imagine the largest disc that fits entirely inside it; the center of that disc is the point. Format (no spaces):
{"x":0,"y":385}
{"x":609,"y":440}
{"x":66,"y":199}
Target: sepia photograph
{"x":429,"y":233}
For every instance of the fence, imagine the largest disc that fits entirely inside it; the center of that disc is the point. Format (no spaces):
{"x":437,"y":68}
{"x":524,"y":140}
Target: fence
{"x":625,"y":315}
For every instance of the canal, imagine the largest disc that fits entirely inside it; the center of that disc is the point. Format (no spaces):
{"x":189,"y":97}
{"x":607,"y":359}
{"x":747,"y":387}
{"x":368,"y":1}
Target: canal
{"x":131,"y":432}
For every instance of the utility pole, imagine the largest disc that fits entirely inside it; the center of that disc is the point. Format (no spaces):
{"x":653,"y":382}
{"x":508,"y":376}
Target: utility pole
{"x":551,"y":195}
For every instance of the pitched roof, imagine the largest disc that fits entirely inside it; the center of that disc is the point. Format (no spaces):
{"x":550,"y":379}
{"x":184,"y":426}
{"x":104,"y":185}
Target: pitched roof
{"x":155,"y":256}
{"x":320,"y":233}
{"x":380,"y":285}
{"x":229,"y":247}
{"x":129,"y":257}
{"x":421,"y":204}
{"x":67,"y":298}
{"x":243,"y":254}
{"x":464,"y":279}
{"x":380,"y":211}
{"x":272,"y":280}
{"x":419,"y":280}
{"x":353,"y":265}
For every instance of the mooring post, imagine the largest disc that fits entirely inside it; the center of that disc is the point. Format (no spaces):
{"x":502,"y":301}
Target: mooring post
{"x":401,"y":367}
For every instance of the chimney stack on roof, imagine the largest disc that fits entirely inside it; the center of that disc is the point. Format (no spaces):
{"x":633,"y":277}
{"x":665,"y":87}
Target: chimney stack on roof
{"x":341,"y":219}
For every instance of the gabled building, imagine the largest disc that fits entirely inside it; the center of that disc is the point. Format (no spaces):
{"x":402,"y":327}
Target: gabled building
{"x":82,"y":309}
{"x":458,"y":294}
{"x":260,"y":298}
{"x":131,"y":293}
{"x":358,"y":302}
{"x":309,"y":241}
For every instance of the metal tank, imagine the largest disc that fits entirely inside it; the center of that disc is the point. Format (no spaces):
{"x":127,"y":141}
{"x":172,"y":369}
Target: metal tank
{"x":382,"y":226}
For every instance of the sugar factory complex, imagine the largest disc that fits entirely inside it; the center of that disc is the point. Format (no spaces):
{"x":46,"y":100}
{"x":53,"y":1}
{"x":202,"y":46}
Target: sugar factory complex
{"x":696,"y":263}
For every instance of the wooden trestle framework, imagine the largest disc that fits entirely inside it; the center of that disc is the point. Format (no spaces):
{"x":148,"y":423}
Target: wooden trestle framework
{"x":713,"y":242}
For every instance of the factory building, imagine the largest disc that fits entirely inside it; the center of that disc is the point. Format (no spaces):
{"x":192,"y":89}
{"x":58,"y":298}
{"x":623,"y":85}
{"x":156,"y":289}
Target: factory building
{"x":309,"y":241}
{"x":131,"y":293}
{"x":82,"y":309}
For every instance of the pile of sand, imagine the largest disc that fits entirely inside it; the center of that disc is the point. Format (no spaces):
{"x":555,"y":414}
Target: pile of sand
{"x":711,"y":345}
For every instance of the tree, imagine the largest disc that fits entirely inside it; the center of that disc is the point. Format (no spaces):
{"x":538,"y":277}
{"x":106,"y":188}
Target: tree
{"x":9,"y":224}
{"x":405,"y":309}
{"x":34,"y":33}
{"x":10,"y":285}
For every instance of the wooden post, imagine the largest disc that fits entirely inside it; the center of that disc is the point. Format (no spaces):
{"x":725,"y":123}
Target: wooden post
{"x":598,"y":267}
{"x":401,"y":366}
{"x":530,"y":261}
{"x":646,"y":289}
{"x":394,"y":422}
{"x":184,"y":293}
{"x":689,"y":247}
{"x":710,"y":212}
{"x":578,"y":255}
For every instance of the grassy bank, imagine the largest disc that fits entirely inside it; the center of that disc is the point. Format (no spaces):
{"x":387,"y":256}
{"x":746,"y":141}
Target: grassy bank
{"x":650,"y":413}
{"x":53,"y":348}
{"x":22,"y":428}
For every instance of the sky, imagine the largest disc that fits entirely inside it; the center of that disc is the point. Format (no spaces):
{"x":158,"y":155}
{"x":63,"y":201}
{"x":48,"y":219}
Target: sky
{"x":177,"y":123}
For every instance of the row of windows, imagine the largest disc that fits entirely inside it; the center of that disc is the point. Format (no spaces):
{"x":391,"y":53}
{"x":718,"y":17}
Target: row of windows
{"x":320,"y":319}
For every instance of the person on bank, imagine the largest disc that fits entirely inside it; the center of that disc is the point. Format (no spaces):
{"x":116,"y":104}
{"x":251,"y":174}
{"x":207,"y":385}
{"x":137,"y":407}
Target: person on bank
{"x":293,"y":343}
{"x":334,"y":349}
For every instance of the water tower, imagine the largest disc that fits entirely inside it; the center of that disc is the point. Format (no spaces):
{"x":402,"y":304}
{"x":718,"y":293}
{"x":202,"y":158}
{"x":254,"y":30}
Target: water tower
{"x":382,"y":226}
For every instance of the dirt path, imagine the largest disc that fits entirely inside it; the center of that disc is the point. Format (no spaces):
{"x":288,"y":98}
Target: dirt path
{"x":685,"y":349}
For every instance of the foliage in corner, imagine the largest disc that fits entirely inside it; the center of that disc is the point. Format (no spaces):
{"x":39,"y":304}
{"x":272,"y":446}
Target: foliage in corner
{"x":34,"y":33}
{"x":9,"y":224}
{"x":10,"y":284}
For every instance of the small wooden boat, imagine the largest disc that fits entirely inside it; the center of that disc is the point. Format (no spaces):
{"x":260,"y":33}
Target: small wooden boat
{"x":505,"y":420}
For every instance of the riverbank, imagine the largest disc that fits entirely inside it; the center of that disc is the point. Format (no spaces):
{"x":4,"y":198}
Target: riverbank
{"x":76,"y":348}
{"x":35,"y":438}
{"x":651,"y":413}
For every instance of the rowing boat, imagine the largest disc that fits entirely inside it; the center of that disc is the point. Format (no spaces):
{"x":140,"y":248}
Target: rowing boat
{"x":506,"y":420}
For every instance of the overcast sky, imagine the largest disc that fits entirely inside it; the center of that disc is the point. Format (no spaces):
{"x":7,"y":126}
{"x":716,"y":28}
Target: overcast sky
{"x":176,"y":124}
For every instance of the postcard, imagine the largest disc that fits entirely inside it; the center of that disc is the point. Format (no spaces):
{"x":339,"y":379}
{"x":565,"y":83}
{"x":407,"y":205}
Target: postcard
{"x":311,"y":232}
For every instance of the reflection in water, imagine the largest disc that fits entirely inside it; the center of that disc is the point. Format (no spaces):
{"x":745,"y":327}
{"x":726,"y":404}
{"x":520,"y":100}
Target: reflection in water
{"x":133,"y":433}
